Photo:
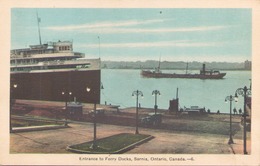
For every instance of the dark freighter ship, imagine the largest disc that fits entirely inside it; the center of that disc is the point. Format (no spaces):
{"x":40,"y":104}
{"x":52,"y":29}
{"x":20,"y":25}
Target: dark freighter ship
{"x":204,"y":74}
{"x":54,"y":72}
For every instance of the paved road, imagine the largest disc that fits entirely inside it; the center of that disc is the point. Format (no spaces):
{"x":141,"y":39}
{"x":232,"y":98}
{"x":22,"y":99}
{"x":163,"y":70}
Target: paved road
{"x":165,"y":142}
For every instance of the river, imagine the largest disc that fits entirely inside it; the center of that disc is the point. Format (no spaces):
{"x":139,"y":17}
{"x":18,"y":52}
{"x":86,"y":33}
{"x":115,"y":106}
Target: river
{"x":120,"y":83}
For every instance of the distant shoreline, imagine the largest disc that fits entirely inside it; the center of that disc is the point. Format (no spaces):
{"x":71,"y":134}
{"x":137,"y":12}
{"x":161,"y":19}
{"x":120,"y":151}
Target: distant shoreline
{"x":173,"y":69}
{"x":178,"y":65}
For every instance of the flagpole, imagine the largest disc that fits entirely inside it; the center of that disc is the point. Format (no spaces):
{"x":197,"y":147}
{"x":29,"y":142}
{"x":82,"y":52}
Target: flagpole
{"x":38,"y":21}
{"x":99,"y":47}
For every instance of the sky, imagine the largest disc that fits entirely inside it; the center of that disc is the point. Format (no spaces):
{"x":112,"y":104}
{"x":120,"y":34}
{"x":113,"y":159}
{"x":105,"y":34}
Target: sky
{"x":140,"y":34}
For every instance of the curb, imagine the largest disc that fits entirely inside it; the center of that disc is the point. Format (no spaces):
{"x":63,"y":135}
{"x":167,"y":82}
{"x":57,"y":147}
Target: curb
{"x":232,"y":149}
{"x":115,"y":152}
{"x":133,"y":145}
{"x":37,"y":128}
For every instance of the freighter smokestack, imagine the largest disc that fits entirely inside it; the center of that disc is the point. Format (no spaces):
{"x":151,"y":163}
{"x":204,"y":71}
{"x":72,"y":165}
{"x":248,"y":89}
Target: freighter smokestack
{"x":203,"y":68}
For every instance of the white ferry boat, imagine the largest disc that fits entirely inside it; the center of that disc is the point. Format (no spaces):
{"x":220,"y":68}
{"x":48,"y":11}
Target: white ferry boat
{"x":54,"y":72}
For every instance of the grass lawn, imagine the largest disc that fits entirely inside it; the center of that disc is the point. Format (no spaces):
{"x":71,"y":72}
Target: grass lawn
{"x":112,"y":144}
{"x":200,"y":126}
{"x":26,"y":123}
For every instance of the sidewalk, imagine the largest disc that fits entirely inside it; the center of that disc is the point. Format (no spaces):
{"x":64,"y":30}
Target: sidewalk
{"x":165,"y":142}
{"x":238,"y":146}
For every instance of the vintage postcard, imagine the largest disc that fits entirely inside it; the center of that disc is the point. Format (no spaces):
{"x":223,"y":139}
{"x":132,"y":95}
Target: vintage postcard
{"x":130,"y":82}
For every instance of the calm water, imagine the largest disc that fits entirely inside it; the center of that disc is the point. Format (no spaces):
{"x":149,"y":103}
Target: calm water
{"x":119,"y":85}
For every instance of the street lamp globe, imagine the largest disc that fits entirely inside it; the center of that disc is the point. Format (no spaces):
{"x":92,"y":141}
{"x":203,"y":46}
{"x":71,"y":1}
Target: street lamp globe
{"x":236,"y":97}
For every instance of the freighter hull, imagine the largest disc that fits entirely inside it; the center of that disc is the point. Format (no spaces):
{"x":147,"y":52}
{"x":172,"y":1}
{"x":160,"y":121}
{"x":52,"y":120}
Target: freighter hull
{"x":50,"y":85}
{"x":150,"y":74}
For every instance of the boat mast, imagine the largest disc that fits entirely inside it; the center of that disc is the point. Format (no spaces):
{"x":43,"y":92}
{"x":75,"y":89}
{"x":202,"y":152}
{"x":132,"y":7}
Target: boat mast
{"x":159,"y":64}
{"x":187,"y":68}
{"x":38,"y":21}
{"x":157,"y":69}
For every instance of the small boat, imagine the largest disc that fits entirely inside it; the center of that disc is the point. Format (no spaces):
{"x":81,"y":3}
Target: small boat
{"x":204,"y":74}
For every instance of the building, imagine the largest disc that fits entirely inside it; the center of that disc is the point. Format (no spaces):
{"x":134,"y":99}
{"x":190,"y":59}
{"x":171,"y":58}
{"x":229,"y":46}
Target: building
{"x":247,"y":65}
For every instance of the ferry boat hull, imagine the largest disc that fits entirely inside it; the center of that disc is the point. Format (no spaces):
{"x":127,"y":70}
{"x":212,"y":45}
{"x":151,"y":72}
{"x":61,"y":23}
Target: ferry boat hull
{"x":49,"y":86}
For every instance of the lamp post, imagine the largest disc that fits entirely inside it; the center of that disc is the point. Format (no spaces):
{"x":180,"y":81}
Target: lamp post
{"x":230,"y":99}
{"x":94,"y":144}
{"x":244,"y":92}
{"x":66,"y":96}
{"x":11,"y":104}
{"x":155,"y":93}
{"x":137,"y":93}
